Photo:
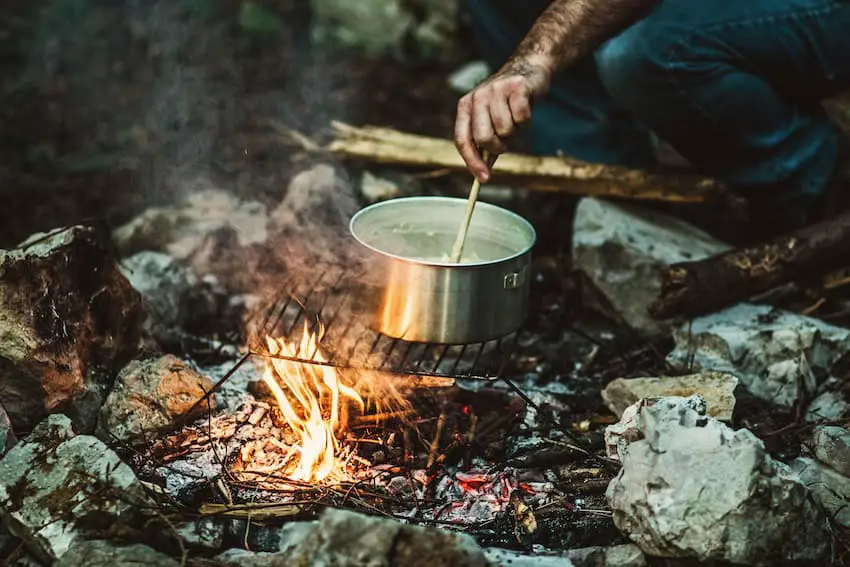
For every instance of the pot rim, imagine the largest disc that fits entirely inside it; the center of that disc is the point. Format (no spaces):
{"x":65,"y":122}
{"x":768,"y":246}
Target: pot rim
{"x":434,"y":263}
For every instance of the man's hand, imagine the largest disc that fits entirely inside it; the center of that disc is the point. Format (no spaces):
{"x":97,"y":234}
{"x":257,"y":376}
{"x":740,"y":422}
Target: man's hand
{"x":566,"y":31}
{"x":494,"y":109}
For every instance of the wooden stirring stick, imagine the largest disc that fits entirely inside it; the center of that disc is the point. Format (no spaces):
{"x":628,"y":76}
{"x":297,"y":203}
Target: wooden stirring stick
{"x":457,"y":249}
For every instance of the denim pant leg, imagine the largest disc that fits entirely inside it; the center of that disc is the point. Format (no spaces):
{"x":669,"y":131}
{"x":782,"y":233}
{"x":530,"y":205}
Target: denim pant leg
{"x":576,"y":117}
{"x":735,"y":87}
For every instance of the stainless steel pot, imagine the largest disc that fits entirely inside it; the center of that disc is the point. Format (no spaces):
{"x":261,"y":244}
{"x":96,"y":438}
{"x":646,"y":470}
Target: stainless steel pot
{"x":417,"y":295}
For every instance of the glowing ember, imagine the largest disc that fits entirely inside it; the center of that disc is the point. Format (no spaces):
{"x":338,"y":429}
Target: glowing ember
{"x":312,"y":399}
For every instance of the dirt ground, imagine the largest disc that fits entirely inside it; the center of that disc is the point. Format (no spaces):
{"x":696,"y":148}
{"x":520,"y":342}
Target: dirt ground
{"x":108,"y":107}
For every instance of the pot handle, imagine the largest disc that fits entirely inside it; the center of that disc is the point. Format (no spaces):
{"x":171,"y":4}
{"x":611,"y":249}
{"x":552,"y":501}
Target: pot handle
{"x":516,"y":280}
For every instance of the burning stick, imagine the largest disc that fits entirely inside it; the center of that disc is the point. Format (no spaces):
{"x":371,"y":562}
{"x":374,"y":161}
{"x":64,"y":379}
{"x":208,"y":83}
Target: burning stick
{"x":435,"y":444}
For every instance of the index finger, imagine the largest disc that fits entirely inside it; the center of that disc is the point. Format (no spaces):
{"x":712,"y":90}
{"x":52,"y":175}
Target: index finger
{"x":465,"y":143}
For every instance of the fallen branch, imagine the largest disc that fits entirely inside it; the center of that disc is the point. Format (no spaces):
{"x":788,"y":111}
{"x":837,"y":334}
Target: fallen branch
{"x":558,"y":174}
{"x":694,"y":288}
{"x":250,"y":511}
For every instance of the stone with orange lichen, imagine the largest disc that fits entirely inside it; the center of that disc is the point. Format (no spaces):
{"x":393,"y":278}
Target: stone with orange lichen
{"x":148,"y":396}
{"x":68,"y":321}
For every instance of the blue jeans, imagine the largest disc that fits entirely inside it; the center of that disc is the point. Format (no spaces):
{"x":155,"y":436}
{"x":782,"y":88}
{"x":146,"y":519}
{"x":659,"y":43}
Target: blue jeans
{"x":733,"y":85}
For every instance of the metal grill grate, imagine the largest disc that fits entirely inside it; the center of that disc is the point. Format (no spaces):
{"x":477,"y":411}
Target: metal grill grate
{"x":349,"y":342}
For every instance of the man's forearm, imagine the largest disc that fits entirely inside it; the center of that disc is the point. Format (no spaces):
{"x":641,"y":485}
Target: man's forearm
{"x":570,"y":29}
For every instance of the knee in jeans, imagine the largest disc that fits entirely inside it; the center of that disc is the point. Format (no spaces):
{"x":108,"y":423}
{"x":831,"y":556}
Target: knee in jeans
{"x":631,"y":63}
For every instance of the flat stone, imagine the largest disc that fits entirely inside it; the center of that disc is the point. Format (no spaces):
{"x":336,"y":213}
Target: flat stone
{"x":831,"y":490}
{"x":58,"y":488}
{"x":69,"y":320}
{"x":691,"y":487}
{"x":777,"y":355}
{"x":100,"y":553}
{"x":149,"y":395}
{"x":716,"y":388}
{"x":623,"y":249}
{"x":831,"y":446}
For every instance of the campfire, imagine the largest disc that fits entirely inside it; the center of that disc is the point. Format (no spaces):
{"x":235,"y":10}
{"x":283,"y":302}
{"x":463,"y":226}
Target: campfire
{"x":312,"y":401}
{"x":381,"y":429}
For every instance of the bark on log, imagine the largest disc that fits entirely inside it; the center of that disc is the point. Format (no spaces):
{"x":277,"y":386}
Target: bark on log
{"x":557,"y":174}
{"x":690,"y":289}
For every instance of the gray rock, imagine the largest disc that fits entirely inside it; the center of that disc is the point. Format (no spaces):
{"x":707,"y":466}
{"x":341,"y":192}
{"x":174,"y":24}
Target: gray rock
{"x":623,"y":250}
{"x":7,"y":435}
{"x":831,"y":446}
{"x":776,"y":354}
{"x":195,"y":230}
{"x":385,"y":27}
{"x":376,"y":188}
{"x":68,"y":321}
{"x":173,"y":293}
{"x":291,"y":536}
{"x":100,"y":553}
{"x":716,"y":388}
{"x":616,"y":556}
{"x":347,"y":539}
{"x":243,"y":558}
{"x":58,"y":488}
{"x":691,"y":487}
{"x":149,"y":395}
{"x":205,"y":533}
{"x":828,"y":406}
{"x":516,"y":559}
{"x":830,"y":489}
{"x":316,"y":211}
{"x":469,"y":76}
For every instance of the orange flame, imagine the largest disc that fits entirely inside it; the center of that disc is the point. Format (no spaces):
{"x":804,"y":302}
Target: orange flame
{"x":311,"y":398}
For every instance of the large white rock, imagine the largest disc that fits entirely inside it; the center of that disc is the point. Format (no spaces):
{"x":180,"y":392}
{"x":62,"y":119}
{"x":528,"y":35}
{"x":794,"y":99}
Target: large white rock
{"x":776,"y":354}
{"x":623,"y":249}
{"x":692,"y":487}
{"x":58,"y":488}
